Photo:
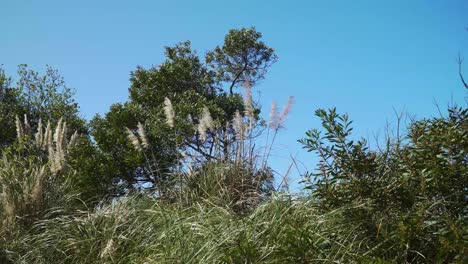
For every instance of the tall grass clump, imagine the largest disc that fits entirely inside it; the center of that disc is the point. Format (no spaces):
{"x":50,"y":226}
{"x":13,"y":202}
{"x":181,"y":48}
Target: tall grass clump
{"x":32,"y":177}
{"x":230,"y":168}
{"x":143,"y":230}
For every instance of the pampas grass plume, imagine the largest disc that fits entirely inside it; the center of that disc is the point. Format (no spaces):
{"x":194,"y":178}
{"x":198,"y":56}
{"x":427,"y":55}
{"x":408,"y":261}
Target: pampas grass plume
{"x":19,"y":127}
{"x":238,"y":125}
{"x":39,"y":135}
{"x":143,"y":137}
{"x":169,"y":112}
{"x":133,"y":139}
{"x":248,"y":98}
{"x":205,"y":123}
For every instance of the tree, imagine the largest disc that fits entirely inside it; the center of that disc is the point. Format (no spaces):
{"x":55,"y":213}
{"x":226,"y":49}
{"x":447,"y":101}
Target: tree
{"x":47,"y":98}
{"x":243,"y":57}
{"x":190,"y":85}
{"x":10,"y":106}
{"x":44,"y":97}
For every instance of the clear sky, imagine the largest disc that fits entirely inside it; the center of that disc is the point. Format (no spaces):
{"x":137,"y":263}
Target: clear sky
{"x":367,"y":58}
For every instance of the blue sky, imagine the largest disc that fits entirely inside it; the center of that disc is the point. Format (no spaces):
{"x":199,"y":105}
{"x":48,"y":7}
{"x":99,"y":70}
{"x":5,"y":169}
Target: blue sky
{"x":366,"y":58}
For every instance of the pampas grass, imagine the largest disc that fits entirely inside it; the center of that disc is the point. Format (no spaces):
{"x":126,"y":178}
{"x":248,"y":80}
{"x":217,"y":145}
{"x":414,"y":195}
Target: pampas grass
{"x":169,"y":112}
{"x":19,"y":128}
{"x":275,"y":124}
{"x":239,"y":126}
{"x":285,"y":113}
{"x":54,"y":141}
{"x":206,"y":123}
{"x":133,"y":139}
{"x":247,"y":178}
{"x":140,"y":140}
{"x":27,"y":127}
{"x":144,"y":139}
{"x":26,"y":177}
{"x":39,"y":136}
{"x":73,"y":140}
{"x":248,"y":101}
{"x":277,"y":120}
{"x":144,"y":230}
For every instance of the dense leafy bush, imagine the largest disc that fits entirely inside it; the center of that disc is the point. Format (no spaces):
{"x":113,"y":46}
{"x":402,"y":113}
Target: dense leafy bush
{"x":412,"y":191}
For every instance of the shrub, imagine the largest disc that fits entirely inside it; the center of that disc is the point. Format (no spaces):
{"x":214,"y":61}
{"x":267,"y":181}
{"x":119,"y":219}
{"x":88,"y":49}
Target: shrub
{"x":412,"y":192}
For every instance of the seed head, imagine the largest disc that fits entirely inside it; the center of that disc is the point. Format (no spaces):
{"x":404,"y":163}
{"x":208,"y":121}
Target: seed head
{"x":238,"y":125}
{"x":169,"y":112}
{"x":133,"y":139}
{"x":205,"y":123}
{"x":143,"y":137}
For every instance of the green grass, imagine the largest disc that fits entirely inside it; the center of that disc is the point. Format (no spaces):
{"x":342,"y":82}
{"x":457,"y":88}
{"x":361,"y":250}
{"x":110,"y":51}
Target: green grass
{"x":142,"y":230}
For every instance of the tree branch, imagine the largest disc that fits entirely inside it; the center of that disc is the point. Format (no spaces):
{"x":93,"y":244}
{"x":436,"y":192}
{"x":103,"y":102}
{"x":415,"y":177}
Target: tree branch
{"x":237,"y":77}
{"x":460,"y":61}
{"x":199,"y":150}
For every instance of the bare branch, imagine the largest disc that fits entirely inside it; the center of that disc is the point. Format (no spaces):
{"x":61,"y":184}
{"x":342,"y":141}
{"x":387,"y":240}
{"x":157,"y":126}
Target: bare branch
{"x":460,"y":61}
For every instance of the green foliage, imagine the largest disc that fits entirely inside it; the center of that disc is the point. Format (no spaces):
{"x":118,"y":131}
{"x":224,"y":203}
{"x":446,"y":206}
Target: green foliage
{"x":47,"y":97}
{"x":412,"y":192}
{"x":38,"y":96}
{"x":109,"y":134}
{"x":243,"y":57}
{"x":10,"y":106}
{"x":190,"y":85}
{"x":92,"y":172}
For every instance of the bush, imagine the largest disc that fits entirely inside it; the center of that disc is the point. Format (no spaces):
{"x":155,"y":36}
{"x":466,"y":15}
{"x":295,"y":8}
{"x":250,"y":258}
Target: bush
{"x":412,"y":191}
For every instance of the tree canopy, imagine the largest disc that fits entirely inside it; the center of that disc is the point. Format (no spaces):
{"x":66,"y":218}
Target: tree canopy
{"x":38,"y":96}
{"x":190,"y":84}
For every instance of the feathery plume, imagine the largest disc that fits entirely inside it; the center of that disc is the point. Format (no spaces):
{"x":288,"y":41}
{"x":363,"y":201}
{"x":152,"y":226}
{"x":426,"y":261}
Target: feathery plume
{"x":27,"y":127}
{"x":64,"y":132}
{"x":206,"y":119}
{"x":273,"y":115}
{"x":248,"y":98}
{"x":143,"y":137}
{"x":133,"y":139}
{"x":58,"y":156}
{"x":48,"y":135}
{"x":63,"y":138}
{"x":58,"y":131}
{"x":36,"y":193}
{"x":39,"y":135}
{"x":50,"y":146}
{"x":205,"y":123}
{"x":202,"y":131}
{"x":286,"y":110}
{"x":169,"y":112}
{"x":238,"y":125}
{"x":73,"y":140}
{"x":58,"y":162}
{"x":19,"y":127}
